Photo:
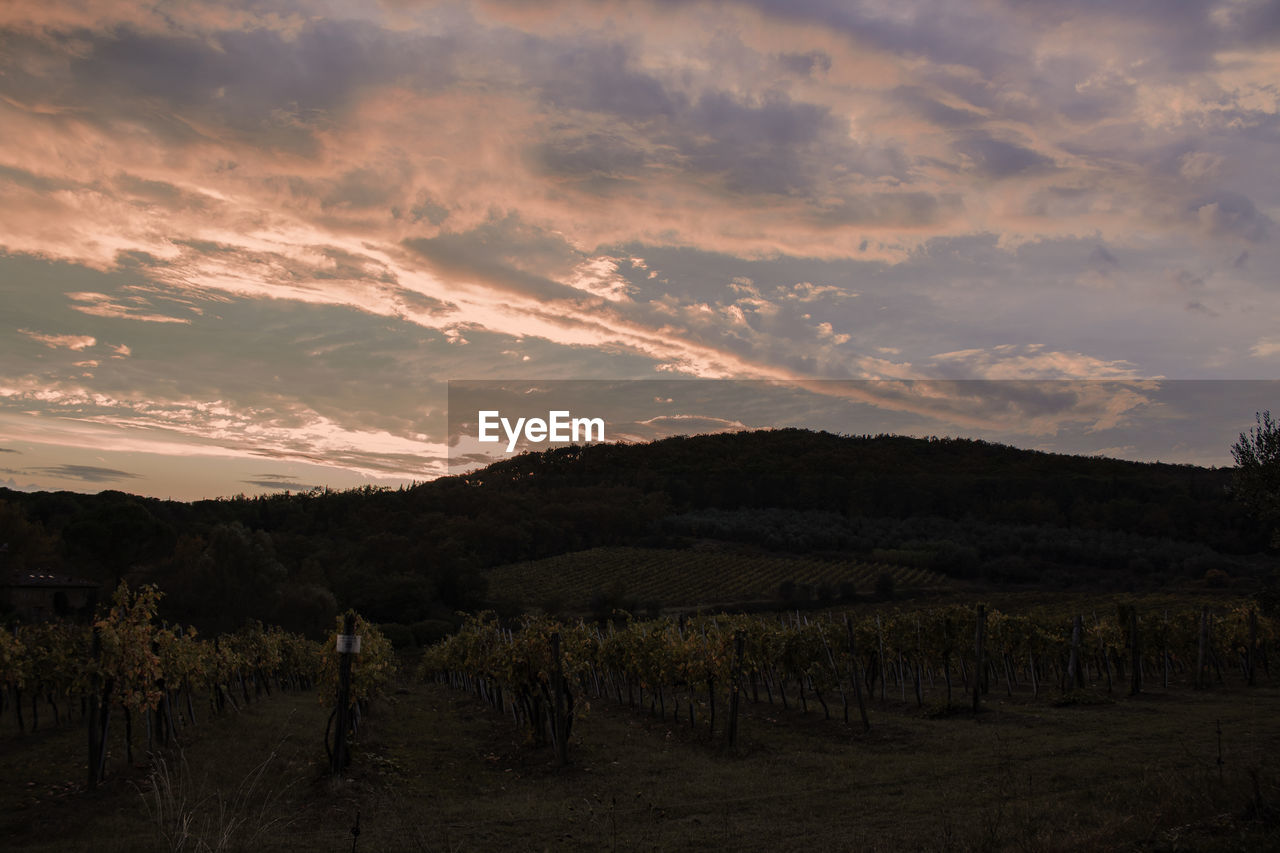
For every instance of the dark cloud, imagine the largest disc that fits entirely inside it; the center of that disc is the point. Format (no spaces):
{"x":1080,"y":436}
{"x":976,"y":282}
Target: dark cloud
{"x":29,"y":180}
{"x":762,"y":142}
{"x":161,"y":193}
{"x":277,"y":482}
{"x":364,"y":189}
{"x":424,"y":209}
{"x":258,"y":70}
{"x":9,"y":450}
{"x":757,"y":147}
{"x":415,"y":301}
{"x":1100,"y":256}
{"x":1227,"y":213}
{"x":86,"y":473}
{"x":916,"y":99}
{"x":951,"y":33}
{"x":272,"y":478}
{"x":504,"y":253}
{"x":996,"y":158}
{"x":277,"y":90}
{"x":1256,"y":23}
{"x":887,"y":210}
{"x":806,"y":63}
{"x":598,"y":158}
{"x":351,"y":265}
{"x":598,"y":77}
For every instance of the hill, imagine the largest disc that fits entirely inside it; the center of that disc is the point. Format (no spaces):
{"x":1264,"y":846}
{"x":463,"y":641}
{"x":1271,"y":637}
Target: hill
{"x":956,"y":507}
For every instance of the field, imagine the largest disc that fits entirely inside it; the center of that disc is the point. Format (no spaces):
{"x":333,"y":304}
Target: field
{"x":436,"y":769}
{"x":689,"y":578}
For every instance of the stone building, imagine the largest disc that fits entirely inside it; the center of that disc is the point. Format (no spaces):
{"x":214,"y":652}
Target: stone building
{"x":43,"y":596}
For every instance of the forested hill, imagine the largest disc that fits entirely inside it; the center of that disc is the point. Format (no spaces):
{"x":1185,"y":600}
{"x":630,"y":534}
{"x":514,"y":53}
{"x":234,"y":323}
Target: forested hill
{"x":965,"y":508}
{"x":894,"y":476}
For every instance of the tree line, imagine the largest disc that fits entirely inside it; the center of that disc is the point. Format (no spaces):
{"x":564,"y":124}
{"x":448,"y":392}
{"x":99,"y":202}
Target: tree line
{"x":416,"y":555}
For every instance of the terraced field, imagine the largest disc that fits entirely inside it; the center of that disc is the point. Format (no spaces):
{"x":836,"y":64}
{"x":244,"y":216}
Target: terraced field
{"x":689,"y":578}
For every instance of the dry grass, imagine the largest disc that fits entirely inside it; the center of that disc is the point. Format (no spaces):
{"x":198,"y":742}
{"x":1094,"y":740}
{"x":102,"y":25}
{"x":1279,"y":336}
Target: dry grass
{"x":191,"y":814}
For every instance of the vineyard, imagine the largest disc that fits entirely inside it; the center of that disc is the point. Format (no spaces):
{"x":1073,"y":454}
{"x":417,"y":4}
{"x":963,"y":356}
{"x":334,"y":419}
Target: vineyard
{"x":847,"y":730}
{"x":159,"y":680}
{"x":696,"y":671}
{"x":691,"y":578}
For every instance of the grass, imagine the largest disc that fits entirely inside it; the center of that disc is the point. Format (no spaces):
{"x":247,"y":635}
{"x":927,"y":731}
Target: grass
{"x":242,"y":775}
{"x":189,"y":816}
{"x":436,"y":770}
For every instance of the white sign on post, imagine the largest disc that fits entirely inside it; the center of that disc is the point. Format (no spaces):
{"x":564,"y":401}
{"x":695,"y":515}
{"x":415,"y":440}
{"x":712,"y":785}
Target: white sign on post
{"x":349,"y":644}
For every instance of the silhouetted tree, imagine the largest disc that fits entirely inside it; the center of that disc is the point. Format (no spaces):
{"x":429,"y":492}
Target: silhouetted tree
{"x":1256,"y":479}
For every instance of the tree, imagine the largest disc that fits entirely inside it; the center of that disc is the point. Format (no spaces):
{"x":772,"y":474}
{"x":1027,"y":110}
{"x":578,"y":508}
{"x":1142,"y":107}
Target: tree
{"x":1256,"y":480}
{"x":117,"y":536}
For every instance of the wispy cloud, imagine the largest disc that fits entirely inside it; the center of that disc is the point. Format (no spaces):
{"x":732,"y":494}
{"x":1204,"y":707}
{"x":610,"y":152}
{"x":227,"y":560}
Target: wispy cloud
{"x":85,"y":473}
{"x":1265,"y":348}
{"x":101,"y":305}
{"x":277,"y":482}
{"x":1032,"y":361}
{"x":71,"y":342}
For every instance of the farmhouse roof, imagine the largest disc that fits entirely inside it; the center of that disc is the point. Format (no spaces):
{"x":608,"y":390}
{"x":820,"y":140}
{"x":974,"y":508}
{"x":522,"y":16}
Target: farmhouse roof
{"x":46,"y":580}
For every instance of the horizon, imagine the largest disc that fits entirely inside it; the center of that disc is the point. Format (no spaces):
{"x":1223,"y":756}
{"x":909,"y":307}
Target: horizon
{"x":627,"y":442}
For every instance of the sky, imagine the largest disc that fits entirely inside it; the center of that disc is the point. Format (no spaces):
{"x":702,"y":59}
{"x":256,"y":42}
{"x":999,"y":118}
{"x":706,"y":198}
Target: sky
{"x":246,"y":246}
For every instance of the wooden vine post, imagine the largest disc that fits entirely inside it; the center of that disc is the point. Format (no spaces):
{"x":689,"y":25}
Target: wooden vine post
{"x":1251,"y":660}
{"x":1075,"y":670}
{"x":857,"y":678}
{"x":883,"y":674}
{"x":348,"y":645}
{"x":1164,"y":649}
{"x":1135,"y":649}
{"x":95,"y":724}
{"x":739,"y":643}
{"x":559,"y":719}
{"x":1203,"y":647}
{"x":979,"y":639}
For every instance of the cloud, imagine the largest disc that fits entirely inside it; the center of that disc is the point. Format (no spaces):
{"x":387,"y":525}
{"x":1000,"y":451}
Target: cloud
{"x":278,"y":482}
{"x":1100,"y":256}
{"x":690,"y":424}
{"x":1265,"y":348}
{"x":76,"y":343}
{"x":1033,"y":361}
{"x":312,"y":218}
{"x":1200,"y":164}
{"x":1186,"y":281}
{"x":102,"y":305}
{"x":1231,"y":214}
{"x":997,"y":158}
{"x":807,"y":63}
{"x":85,"y":473}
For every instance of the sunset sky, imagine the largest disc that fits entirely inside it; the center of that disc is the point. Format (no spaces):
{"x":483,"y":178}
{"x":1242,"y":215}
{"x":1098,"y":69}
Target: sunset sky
{"x":244,"y":246}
